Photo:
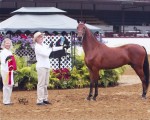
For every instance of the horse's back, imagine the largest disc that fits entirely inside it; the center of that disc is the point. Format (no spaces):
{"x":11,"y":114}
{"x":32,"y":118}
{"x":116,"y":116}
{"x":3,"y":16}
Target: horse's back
{"x":133,"y":49}
{"x":133,"y":46}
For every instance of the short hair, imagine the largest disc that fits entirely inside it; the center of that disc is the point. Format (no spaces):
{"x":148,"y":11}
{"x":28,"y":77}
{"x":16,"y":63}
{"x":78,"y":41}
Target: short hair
{"x":3,"y":43}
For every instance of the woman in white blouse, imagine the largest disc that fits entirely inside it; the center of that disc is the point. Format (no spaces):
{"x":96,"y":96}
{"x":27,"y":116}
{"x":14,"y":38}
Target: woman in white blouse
{"x":7,"y":87}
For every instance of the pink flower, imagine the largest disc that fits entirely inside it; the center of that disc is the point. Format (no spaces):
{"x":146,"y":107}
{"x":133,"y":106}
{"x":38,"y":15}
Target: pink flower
{"x":62,"y":73}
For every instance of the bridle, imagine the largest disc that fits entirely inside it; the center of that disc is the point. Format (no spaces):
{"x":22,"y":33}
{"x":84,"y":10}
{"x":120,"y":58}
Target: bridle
{"x":80,"y":34}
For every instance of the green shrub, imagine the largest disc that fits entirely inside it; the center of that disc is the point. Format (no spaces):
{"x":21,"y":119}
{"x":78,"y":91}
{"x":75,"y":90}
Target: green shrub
{"x":110,"y":77}
{"x":78,"y":78}
{"x":25,"y":75}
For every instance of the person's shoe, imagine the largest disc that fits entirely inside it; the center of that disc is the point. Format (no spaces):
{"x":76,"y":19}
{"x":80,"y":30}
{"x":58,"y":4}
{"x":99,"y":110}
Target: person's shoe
{"x":46,"y":102}
{"x":40,"y":103}
{"x":9,"y":104}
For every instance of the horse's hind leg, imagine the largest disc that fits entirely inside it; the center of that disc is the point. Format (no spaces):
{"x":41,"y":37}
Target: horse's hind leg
{"x":140,"y":73}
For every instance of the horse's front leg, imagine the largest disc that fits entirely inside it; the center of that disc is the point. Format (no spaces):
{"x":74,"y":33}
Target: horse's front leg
{"x":94,"y":76}
{"x":91,"y":90}
{"x":96,"y":90}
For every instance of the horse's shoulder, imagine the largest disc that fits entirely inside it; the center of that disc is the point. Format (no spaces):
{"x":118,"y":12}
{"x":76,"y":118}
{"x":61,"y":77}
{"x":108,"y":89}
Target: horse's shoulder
{"x":89,"y":58}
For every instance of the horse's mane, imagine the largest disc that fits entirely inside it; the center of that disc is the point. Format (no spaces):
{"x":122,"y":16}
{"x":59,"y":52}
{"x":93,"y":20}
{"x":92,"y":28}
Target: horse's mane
{"x":90,"y":35}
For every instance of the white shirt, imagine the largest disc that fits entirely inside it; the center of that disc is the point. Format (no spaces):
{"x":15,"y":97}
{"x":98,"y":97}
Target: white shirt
{"x":3,"y":55}
{"x":42,"y":55}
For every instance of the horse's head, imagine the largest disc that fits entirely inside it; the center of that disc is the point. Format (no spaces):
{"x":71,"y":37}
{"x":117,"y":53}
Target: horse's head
{"x":80,"y":30}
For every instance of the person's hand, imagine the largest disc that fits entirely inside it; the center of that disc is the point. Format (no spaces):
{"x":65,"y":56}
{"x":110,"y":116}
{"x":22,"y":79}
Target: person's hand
{"x":66,"y":46}
{"x":8,"y":58}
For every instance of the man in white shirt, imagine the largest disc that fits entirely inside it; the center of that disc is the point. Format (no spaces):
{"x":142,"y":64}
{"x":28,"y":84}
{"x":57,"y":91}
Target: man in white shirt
{"x":43,"y":67}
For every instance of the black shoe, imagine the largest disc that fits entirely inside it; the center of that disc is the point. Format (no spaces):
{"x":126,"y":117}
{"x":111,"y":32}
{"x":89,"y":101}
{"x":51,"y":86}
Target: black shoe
{"x":46,"y":102}
{"x":41,"y":103}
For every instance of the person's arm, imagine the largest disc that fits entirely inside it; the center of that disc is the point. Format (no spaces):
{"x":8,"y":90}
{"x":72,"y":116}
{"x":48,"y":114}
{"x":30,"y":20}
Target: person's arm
{"x":46,"y":51}
{"x":43,"y":51}
{"x":4,"y":55}
{"x":8,"y":58}
{"x":3,"y":58}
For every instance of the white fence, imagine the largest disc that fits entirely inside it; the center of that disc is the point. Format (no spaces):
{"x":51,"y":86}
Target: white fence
{"x":111,"y":42}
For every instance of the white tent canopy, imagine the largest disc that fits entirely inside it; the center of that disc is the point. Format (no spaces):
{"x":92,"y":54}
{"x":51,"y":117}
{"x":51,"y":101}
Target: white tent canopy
{"x":40,"y":10}
{"x":48,"y":23}
{"x":41,"y":22}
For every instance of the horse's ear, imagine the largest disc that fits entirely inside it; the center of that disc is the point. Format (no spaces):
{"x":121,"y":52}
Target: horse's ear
{"x":81,"y":21}
{"x":78,"y":21}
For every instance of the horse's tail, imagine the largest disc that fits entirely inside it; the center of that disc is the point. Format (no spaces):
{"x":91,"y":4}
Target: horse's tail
{"x":146,"y":68}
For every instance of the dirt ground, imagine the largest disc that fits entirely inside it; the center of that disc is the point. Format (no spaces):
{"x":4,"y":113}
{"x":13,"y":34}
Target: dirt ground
{"x":122,"y":102}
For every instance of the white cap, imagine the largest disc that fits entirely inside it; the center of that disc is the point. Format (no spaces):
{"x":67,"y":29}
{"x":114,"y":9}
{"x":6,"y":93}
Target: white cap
{"x":37,"y":34}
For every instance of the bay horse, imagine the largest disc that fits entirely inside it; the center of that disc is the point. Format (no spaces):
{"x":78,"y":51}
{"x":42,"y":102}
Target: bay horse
{"x":99,"y":56}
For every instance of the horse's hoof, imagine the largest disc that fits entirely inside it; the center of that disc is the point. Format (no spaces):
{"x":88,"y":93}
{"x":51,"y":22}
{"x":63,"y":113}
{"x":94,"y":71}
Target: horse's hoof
{"x":88,"y":98}
{"x":144,"y":97}
{"x":94,"y":98}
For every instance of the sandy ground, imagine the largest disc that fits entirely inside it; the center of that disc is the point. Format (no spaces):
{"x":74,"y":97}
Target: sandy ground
{"x":114,"y":103}
{"x":122,"y":102}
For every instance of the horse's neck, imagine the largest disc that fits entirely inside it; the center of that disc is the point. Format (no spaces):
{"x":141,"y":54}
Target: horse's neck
{"x":89,"y":42}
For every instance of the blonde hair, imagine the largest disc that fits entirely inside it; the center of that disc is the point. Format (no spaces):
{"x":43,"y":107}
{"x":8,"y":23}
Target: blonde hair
{"x":4,"y":41}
